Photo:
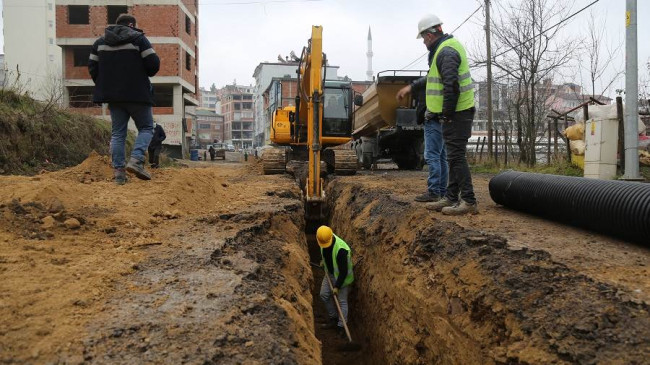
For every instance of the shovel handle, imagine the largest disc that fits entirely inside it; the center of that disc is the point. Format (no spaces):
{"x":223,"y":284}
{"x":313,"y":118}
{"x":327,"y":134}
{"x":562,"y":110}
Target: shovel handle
{"x":338,"y":307}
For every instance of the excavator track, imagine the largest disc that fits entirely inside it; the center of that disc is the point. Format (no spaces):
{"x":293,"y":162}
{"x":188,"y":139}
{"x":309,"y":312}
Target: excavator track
{"x":274,"y":161}
{"x":344,"y":162}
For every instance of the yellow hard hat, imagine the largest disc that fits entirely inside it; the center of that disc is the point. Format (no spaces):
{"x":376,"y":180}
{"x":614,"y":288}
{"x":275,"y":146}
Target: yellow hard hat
{"x":324,"y":236}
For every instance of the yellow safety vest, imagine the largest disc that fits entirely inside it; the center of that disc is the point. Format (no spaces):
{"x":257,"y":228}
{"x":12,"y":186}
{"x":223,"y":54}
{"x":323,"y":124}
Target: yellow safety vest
{"x":338,"y":245}
{"x":434,"y":96}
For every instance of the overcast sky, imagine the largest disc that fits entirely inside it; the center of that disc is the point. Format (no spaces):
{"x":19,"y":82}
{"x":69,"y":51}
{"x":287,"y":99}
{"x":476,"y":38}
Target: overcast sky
{"x":236,"y":35}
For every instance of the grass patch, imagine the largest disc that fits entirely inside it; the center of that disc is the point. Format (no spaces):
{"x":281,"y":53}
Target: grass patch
{"x":559,"y":168}
{"x":34,"y":136}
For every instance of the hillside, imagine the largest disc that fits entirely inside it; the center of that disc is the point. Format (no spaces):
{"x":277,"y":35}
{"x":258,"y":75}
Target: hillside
{"x":35,"y":136}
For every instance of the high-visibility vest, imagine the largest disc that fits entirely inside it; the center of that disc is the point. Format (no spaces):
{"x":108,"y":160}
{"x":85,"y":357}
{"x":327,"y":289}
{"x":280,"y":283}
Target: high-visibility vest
{"x":338,"y":245}
{"x":434,"y":96}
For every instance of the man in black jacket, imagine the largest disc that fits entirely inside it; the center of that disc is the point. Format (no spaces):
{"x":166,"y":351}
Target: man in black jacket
{"x":156,"y":145}
{"x":120,"y":64}
{"x":450,"y":101}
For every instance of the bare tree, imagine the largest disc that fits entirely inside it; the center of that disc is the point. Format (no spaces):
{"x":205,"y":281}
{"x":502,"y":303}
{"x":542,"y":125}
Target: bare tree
{"x":600,"y":56}
{"x":528,"y":52}
{"x":644,"y":90}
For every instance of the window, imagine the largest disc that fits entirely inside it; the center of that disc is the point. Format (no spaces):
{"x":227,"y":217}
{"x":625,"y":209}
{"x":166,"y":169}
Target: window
{"x":237,"y":106}
{"x":163,"y":96}
{"x":49,"y":6}
{"x":188,"y":25}
{"x":52,"y":42}
{"x":204,"y":126}
{"x":81,"y":56}
{"x":50,"y":23}
{"x":248,"y":97}
{"x":188,"y":61}
{"x":247,"y":105}
{"x":81,"y":96}
{"x":113,"y":11}
{"x":78,"y":14}
{"x":236,"y":97}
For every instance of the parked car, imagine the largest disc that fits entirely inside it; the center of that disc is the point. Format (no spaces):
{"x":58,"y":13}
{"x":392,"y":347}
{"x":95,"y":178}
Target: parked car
{"x":230,"y":148}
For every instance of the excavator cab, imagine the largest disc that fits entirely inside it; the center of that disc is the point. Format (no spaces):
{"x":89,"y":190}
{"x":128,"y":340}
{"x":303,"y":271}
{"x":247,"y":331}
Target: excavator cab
{"x":337,"y":110}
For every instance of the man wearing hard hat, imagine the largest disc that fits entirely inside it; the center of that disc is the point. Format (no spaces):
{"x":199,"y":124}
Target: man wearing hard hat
{"x":450,"y":109}
{"x":336,"y":259}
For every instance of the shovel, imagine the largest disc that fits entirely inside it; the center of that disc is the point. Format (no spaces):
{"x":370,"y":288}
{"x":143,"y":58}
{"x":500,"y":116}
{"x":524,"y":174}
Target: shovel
{"x":351,"y":345}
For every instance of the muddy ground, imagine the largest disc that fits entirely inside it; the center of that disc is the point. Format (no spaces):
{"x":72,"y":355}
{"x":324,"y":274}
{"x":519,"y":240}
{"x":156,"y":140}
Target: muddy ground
{"x":200,"y":265}
{"x":499,"y":287}
{"x":209,"y":264}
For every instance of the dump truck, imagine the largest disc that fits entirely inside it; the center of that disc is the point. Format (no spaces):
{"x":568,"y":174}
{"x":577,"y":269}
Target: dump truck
{"x":387,"y":129}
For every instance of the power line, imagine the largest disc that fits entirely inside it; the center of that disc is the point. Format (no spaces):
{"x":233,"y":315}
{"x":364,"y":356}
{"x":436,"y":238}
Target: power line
{"x":453,"y":31}
{"x":547,"y":29}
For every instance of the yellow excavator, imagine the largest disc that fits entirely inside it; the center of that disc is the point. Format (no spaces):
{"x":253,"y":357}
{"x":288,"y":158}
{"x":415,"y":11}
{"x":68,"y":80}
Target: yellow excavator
{"x":309,"y":131}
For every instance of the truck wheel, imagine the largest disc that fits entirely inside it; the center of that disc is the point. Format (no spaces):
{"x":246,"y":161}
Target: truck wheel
{"x":366,"y":160}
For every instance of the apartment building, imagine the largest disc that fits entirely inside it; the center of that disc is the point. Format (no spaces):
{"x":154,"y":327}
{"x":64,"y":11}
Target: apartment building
{"x":237,"y":109}
{"x":172,"y":28}
{"x":210,"y":127}
{"x":208,"y":99}
{"x":32,"y":57}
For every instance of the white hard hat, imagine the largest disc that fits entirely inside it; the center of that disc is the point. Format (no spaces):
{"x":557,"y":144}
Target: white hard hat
{"x":428,"y":21}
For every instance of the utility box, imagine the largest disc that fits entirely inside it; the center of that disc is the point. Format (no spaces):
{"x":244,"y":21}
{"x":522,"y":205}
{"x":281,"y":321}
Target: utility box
{"x":601,"y":142}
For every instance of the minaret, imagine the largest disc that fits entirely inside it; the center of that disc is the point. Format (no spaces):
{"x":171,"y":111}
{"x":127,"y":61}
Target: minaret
{"x":369,"y":73}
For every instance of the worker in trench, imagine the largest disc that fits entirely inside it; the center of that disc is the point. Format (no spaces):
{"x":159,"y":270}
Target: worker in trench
{"x":336,"y":259}
{"x":450,"y":112}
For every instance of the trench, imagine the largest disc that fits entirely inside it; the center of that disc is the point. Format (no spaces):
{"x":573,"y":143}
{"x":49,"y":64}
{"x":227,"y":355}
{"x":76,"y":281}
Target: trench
{"x":428,"y":291}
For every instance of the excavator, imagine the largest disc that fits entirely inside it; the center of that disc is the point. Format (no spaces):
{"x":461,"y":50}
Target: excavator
{"x":309,"y":131}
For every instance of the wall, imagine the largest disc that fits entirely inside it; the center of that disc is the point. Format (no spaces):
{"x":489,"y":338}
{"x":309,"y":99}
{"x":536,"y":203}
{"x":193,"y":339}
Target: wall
{"x":40,"y":63}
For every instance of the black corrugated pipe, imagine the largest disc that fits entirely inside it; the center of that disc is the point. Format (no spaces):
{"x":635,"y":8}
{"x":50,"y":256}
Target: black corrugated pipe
{"x":618,"y":208}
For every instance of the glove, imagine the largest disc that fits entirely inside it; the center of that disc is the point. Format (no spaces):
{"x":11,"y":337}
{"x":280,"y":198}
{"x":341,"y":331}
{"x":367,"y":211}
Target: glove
{"x":335,"y":291}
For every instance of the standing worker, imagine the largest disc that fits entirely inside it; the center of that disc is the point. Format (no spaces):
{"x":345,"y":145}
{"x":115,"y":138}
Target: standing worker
{"x":212,"y":152}
{"x":120,"y":65}
{"x":156,"y":145}
{"x":450,"y":101}
{"x":336,"y":258}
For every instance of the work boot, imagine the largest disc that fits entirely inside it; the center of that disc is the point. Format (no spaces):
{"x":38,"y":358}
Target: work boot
{"x":120,"y":176}
{"x":136,"y":167}
{"x":341,"y":332}
{"x":331,"y":324}
{"x":461,"y":208}
{"x":427,"y":197}
{"x":441,"y":203}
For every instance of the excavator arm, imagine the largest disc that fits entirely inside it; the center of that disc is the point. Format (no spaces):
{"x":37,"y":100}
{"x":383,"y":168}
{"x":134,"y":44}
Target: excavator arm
{"x":312,"y":88}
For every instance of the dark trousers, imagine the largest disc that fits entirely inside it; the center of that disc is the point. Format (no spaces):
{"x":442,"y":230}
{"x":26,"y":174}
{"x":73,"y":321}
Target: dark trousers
{"x":154,"y":155}
{"x":456,"y":133}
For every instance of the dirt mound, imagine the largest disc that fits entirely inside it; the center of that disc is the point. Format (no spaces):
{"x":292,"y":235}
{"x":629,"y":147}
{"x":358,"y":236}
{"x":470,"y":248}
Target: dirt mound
{"x":431,"y":291}
{"x":198,"y":265}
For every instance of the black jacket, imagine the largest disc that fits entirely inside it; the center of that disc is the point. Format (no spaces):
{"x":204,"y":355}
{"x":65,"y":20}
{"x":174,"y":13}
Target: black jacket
{"x":120,"y":64}
{"x":448,"y":62}
{"x":341,"y":260}
{"x":158,"y":136}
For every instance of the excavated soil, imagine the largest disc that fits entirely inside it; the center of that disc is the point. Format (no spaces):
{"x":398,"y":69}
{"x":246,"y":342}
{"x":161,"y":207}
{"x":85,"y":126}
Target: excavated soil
{"x":210,"y":265}
{"x":199,"y":265}
{"x":499,"y":287}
